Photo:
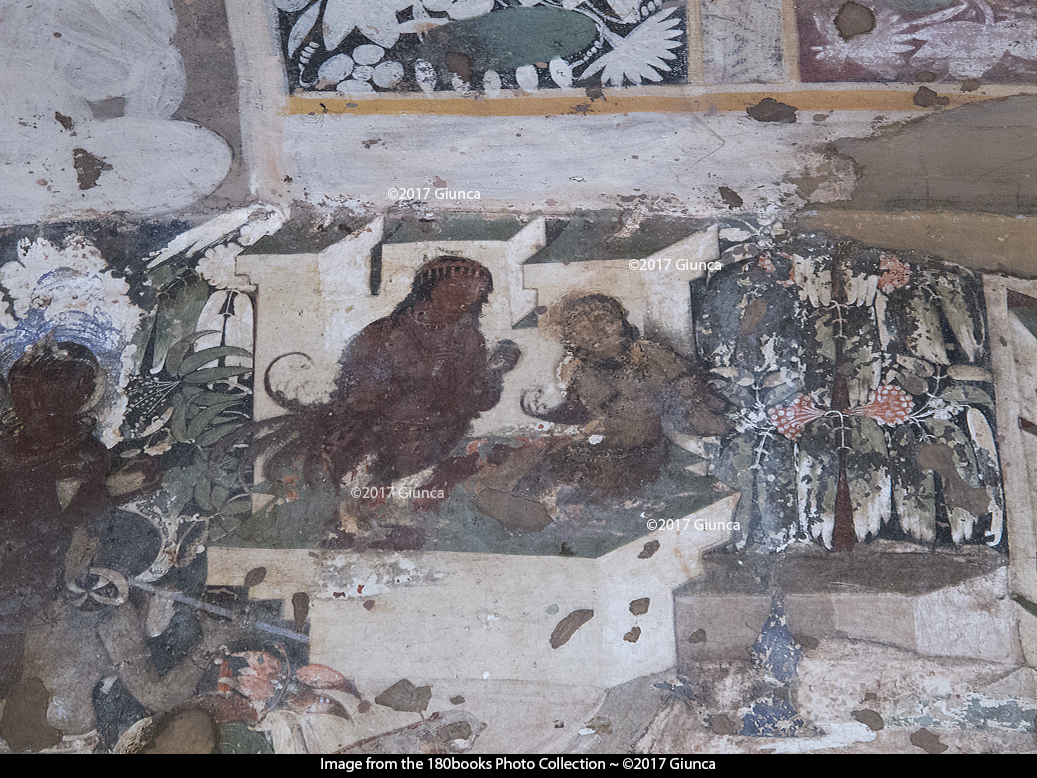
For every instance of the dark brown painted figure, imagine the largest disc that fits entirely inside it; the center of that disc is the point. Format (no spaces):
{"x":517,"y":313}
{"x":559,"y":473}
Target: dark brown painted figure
{"x":410,"y":384}
{"x":622,"y":390}
{"x":52,"y":482}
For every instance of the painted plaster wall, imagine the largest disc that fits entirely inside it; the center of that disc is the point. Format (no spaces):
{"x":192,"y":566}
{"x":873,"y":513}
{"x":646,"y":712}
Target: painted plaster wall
{"x":164,"y":132}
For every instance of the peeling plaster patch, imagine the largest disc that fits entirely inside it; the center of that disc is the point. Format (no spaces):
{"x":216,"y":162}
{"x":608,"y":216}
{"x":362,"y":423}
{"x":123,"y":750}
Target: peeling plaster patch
{"x":854,"y":19}
{"x":869,"y":718}
{"x":300,"y":608}
{"x":839,"y":735}
{"x":770,"y":110}
{"x":927,"y":98}
{"x":25,"y":726}
{"x":808,"y":643}
{"x":722,"y":724}
{"x":405,"y":697}
{"x":88,"y":168}
{"x":649,"y":550}
{"x":567,"y":627}
{"x":730,"y":197}
{"x":109,"y":108}
{"x":927,"y":741}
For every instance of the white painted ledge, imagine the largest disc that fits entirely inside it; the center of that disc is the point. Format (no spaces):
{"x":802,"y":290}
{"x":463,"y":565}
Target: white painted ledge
{"x":382,"y":616}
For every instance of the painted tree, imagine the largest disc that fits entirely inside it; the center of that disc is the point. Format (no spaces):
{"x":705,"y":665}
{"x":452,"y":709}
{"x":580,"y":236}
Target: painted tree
{"x":863,"y":389}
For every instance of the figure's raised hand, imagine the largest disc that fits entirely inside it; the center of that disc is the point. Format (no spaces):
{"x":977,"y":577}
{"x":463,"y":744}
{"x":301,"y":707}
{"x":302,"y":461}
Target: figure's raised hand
{"x":505,"y":356}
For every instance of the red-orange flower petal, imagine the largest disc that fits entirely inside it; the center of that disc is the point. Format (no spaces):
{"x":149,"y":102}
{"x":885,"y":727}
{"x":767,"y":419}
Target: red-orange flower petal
{"x":793,"y":419}
{"x":889,"y":405}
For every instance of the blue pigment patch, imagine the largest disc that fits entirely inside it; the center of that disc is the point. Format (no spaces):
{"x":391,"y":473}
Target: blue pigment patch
{"x":775,"y":654}
{"x":775,"y":657}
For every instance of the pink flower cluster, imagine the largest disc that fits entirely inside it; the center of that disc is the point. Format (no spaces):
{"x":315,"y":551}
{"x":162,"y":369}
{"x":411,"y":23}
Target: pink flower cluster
{"x":791,"y":421}
{"x":896,"y":274}
{"x":889,"y":405}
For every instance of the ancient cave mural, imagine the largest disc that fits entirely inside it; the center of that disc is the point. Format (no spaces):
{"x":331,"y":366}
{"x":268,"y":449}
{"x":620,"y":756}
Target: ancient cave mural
{"x":843,"y":391}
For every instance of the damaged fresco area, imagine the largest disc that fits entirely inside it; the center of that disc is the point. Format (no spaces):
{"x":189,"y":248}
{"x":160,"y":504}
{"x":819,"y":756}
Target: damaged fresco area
{"x":771,"y":382}
{"x":865,"y":394}
{"x":898,"y":40}
{"x":560,"y":448}
{"x":94,"y":119}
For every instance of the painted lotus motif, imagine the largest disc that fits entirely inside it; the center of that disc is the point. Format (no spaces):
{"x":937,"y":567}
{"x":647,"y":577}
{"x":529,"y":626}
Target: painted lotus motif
{"x":791,"y":420}
{"x":890,"y":405}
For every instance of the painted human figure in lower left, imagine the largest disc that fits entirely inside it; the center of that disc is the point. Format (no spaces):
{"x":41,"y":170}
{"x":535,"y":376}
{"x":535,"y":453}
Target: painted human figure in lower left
{"x":53,"y":474}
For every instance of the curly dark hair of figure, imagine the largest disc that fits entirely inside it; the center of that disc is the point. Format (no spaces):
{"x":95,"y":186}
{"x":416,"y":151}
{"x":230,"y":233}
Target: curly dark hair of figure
{"x":71,"y":363}
{"x":591,"y":302}
{"x":425,"y":280}
{"x":436,"y":270}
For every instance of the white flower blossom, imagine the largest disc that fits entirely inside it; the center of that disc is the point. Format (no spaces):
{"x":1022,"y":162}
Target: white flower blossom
{"x":217,"y":266}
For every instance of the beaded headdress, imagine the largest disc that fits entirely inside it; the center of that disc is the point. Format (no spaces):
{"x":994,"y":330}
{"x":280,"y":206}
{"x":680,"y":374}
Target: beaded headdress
{"x":443,"y":267}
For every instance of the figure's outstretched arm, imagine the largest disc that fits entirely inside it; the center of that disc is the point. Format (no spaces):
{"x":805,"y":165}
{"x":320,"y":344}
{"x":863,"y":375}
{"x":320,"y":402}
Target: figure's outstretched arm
{"x":694,"y":408}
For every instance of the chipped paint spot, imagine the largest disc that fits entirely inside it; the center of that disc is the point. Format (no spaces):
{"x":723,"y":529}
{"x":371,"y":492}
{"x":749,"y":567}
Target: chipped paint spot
{"x":639,"y":607}
{"x":770,"y":110}
{"x":567,"y":627}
